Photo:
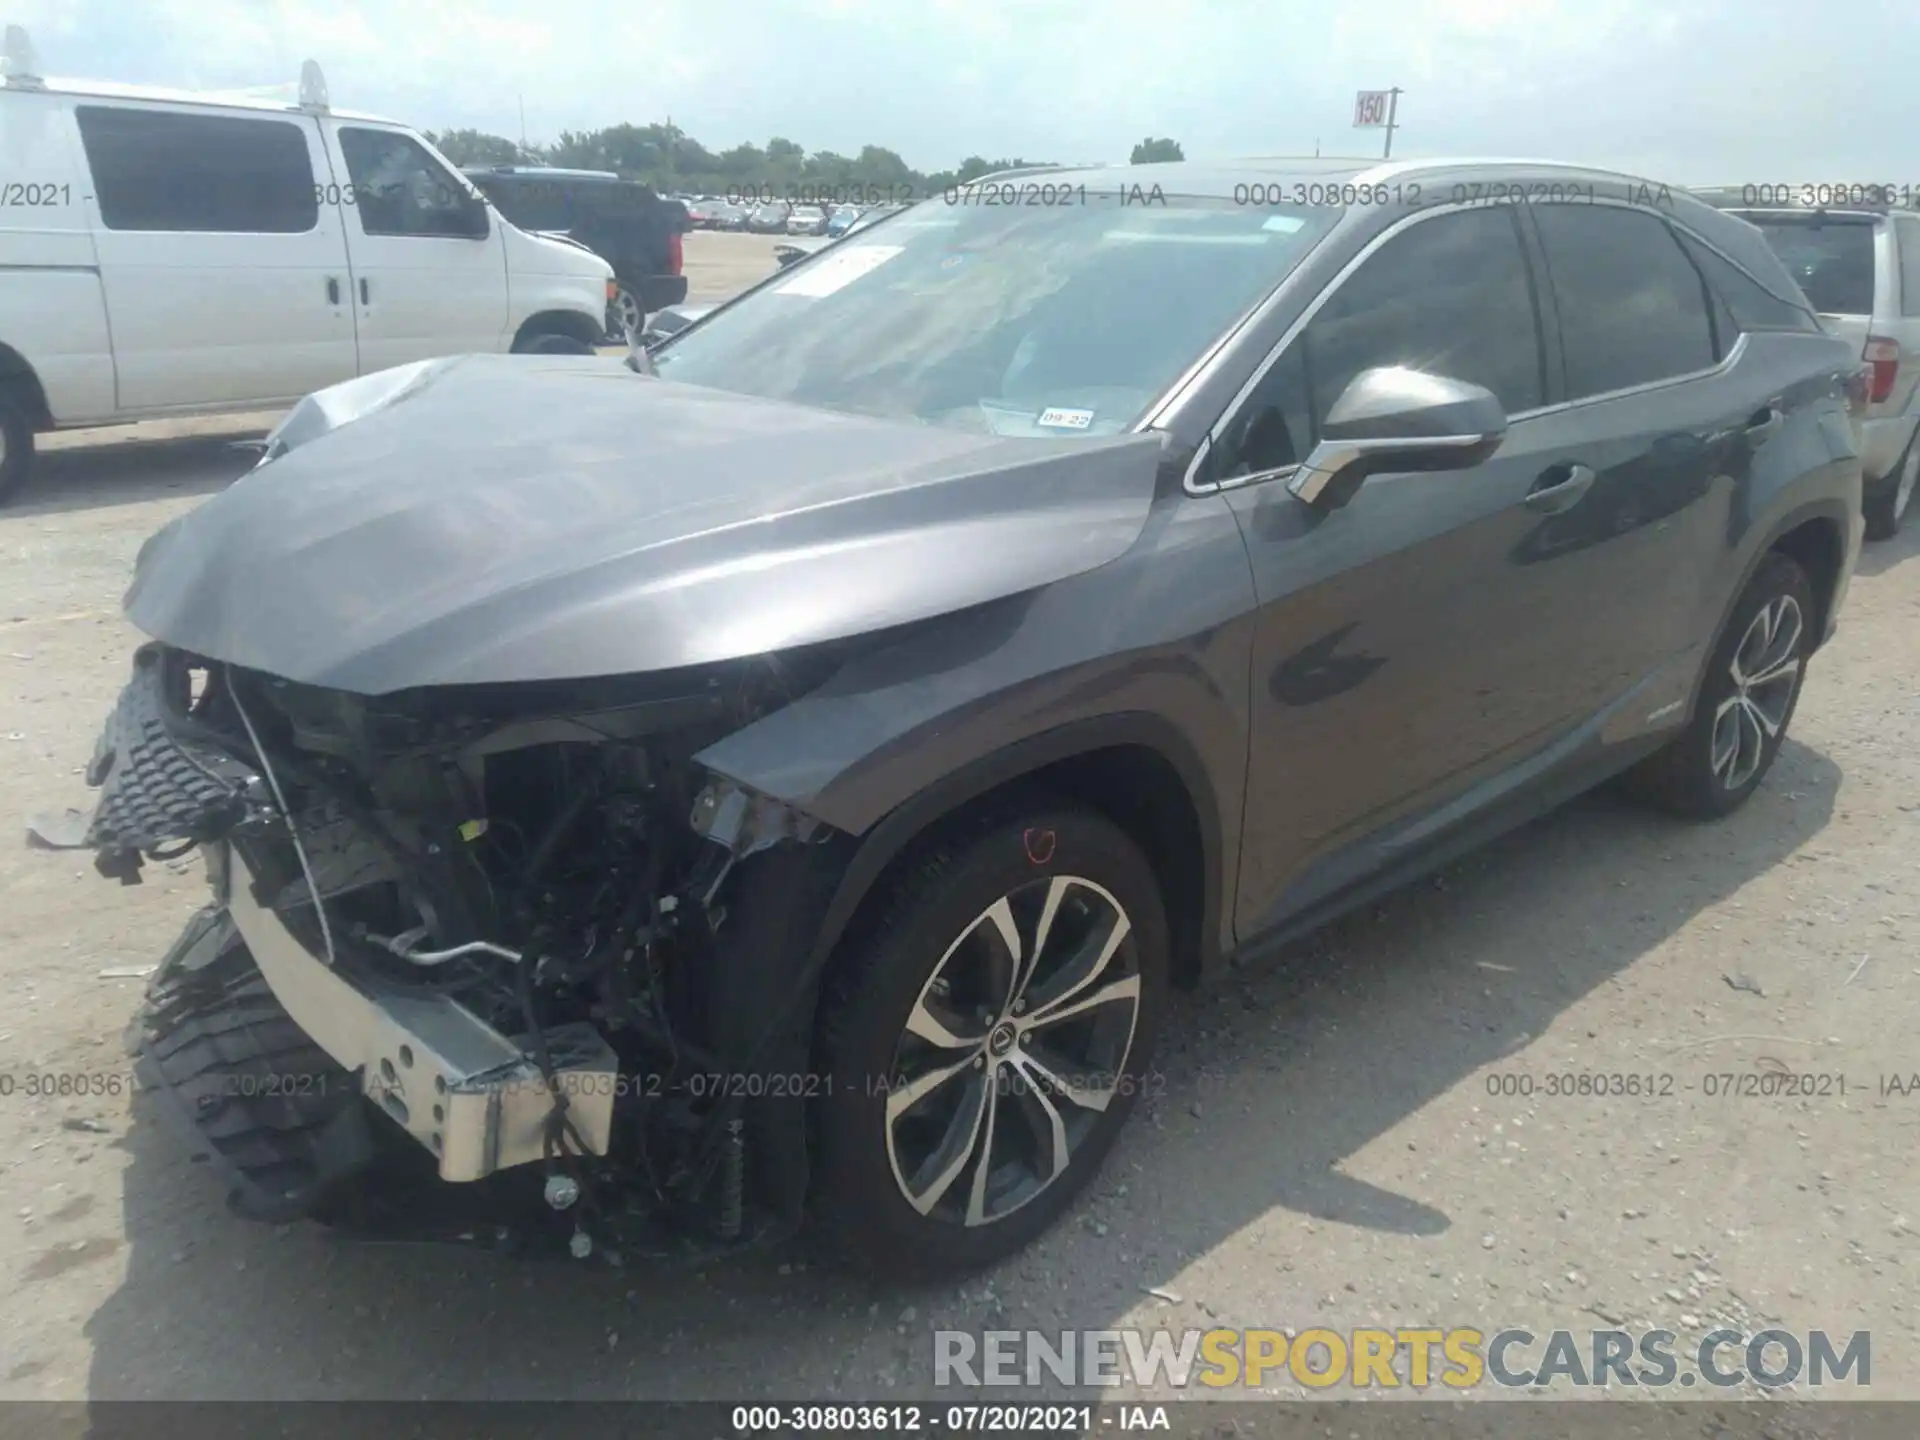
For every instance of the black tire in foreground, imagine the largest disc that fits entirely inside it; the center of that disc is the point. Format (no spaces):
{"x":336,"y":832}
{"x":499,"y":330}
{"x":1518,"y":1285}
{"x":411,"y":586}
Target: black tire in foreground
{"x":985,"y":1038}
{"x":1747,"y":697}
{"x":247,"y":1087}
{"x":16,"y":446}
{"x":1886,"y":506}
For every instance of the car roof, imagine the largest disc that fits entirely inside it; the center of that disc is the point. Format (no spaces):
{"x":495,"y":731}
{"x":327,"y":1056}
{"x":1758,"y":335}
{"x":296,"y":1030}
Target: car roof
{"x":1217,"y":178}
{"x":211,"y":99}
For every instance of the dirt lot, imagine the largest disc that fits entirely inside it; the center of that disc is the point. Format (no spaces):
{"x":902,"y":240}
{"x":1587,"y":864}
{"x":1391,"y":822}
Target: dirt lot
{"x":1327,"y":1150}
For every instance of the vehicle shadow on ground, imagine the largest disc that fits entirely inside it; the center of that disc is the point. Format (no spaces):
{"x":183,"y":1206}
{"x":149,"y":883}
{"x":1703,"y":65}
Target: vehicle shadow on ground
{"x":1877,"y":557}
{"x":1273,"y":1084}
{"x":130,"y":472}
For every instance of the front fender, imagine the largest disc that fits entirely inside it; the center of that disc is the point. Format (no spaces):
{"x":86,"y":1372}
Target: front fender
{"x":1151,"y":649}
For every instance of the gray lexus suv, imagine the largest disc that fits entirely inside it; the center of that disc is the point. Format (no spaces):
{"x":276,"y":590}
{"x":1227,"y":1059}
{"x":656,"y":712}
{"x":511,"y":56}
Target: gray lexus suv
{"x":779,"y":777}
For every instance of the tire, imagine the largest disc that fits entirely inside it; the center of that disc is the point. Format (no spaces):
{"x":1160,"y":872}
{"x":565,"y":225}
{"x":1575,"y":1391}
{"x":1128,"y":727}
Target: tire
{"x":934,"y":954}
{"x":549,"y":343}
{"x":245,"y":1085}
{"x":1887,"y":509}
{"x":625,"y":309}
{"x":1713,"y":765}
{"x":16,"y":446}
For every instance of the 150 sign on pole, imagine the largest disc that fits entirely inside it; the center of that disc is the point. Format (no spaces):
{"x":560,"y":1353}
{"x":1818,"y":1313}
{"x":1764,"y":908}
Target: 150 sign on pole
{"x":1376,"y":109}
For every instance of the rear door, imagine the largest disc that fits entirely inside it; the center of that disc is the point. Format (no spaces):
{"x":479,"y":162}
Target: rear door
{"x":429,"y":265}
{"x":1658,"y":411}
{"x":225,"y":273}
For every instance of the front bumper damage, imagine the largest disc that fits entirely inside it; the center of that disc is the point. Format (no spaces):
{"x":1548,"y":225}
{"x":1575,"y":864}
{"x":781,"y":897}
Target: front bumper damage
{"x":472,"y":1096}
{"x":572,"y":1026}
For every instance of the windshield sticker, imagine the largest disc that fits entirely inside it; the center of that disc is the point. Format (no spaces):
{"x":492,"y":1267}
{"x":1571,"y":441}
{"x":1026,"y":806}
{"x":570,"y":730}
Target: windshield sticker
{"x":1058,"y":419}
{"x":833,"y":272}
{"x":1285,"y":224}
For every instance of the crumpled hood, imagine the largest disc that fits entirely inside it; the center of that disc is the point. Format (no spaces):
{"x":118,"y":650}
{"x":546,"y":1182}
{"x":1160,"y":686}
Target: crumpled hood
{"x":512,"y":518}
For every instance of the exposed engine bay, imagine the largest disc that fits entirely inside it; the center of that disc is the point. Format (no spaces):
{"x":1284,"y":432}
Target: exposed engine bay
{"x":503,"y":914}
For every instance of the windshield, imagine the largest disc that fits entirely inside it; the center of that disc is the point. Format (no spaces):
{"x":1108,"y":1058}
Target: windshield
{"x":1831,"y":260}
{"x":1065,"y":320}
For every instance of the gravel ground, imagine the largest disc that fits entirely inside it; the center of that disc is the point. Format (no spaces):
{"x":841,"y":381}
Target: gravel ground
{"x":1326,"y":1151}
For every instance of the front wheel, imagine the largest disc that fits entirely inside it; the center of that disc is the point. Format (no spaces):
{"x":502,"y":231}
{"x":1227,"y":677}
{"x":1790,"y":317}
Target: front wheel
{"x":986,"y":1039}
{"x":1747,"y":698}
{"x":16,"y":446}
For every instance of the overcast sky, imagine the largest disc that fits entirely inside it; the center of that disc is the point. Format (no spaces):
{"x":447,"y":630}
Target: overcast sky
{"x":1692,"y":91}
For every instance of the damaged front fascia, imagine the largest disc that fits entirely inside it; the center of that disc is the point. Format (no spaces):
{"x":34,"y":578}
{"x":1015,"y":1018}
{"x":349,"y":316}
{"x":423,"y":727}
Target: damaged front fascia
{"x":744,"y":822}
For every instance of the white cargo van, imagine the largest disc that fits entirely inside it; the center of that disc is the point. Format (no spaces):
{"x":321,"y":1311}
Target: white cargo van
{"x":168,"y":253}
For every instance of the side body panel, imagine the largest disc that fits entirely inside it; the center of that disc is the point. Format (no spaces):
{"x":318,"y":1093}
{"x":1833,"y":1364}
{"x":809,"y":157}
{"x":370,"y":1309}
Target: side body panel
{"x":53,"y":310}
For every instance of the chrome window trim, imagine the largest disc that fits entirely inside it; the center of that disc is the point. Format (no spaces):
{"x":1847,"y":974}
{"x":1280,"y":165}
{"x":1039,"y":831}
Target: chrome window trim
{"x":1194,"y":487}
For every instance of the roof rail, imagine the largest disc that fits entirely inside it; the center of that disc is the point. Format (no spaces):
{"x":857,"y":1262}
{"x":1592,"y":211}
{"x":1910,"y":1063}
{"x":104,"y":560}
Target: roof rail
{"x":21,"y":61}
{"x":1025,"y":170}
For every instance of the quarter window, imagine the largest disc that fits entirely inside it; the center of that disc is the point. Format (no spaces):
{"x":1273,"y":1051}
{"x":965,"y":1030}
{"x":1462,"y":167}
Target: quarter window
{"x":1633,"y":309}
{"x":1742,"y":303}
{"x":400,"y":189}
{"x":163,"y":170}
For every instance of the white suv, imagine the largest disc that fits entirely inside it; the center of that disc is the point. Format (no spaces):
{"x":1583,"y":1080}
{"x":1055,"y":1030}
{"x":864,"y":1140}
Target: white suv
{"x":166,"y":253}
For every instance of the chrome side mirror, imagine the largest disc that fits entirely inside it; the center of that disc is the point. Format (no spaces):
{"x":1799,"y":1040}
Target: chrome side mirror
{"x":1395,"y":419}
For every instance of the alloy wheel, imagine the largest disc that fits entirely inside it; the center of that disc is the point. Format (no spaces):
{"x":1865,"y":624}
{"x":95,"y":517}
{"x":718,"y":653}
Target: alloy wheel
{"x":1765,"y":670}
{"x":1014,"y":1048}
{"x":628,"y":311}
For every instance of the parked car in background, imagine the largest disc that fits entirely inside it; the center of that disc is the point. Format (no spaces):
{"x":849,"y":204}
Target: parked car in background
{"x":842,"y":218}
{"x":791,"y":251}
{"x":699,"y":216}
{"x":769,"y":218}
{"x":726,"y":215}
{"x":1859,"y":264}
{"x":163,"y":253}
{"x":807,"y":220}
{"x":1174,"y":579}
{"x":637,"y":231}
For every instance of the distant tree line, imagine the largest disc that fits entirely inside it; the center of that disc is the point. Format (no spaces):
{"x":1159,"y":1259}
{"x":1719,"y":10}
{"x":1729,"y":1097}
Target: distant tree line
{"x":667,"y":158}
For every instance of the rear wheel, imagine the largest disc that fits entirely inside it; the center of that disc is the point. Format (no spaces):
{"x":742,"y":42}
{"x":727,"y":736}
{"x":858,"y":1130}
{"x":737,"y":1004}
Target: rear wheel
{"x":16,"y":445}
{"x":1887,"y":510}
{"x":987,"y":1040}
{"x":1746,"y":700}
{"x":624,"y":313}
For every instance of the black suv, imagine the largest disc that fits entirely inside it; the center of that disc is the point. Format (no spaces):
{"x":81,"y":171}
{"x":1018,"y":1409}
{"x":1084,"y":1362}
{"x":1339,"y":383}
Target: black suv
{"x":622,"y":221}
{"x":784,"y":776}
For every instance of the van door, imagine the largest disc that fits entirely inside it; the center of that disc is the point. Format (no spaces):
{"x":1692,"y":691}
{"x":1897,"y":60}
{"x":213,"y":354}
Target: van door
{"x":429,"y":265}
{"x":225,"y":275}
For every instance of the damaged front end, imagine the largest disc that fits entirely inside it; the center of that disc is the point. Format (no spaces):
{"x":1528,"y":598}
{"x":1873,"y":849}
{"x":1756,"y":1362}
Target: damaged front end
{"x":478,"y":935}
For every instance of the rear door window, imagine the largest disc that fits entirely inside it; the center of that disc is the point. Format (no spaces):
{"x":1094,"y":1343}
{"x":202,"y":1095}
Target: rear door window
{"x":163,"y":170}
{"x":1831,"y":259}
{"x":1633,"y":309}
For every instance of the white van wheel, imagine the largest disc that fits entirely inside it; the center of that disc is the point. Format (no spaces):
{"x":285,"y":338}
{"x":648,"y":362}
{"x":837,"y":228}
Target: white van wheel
{"x":16,"y":446}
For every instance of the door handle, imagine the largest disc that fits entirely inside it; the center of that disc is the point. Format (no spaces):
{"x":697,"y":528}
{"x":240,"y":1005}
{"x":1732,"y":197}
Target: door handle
{"x":363,"y":291}
{"x":333,"y":289}
{"x":1766,"y":423}
{"x":1559,"y":488}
